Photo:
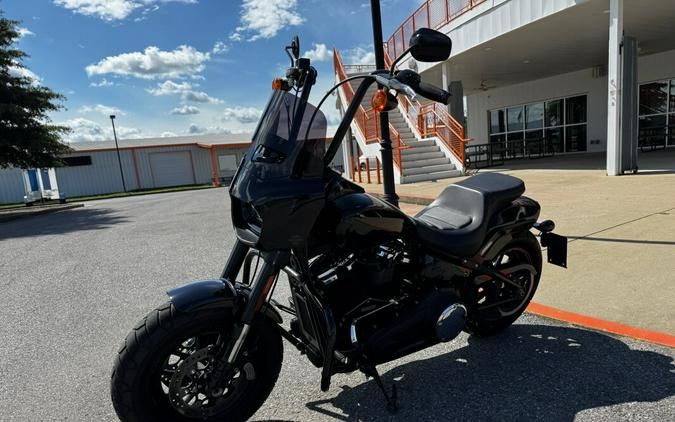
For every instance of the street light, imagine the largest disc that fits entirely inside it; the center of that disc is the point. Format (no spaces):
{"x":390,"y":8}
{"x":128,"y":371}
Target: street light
{"x":385,"y":143}
{"x":117,"y":148}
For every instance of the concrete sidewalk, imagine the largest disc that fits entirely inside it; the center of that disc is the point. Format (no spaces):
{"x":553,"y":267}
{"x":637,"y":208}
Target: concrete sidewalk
{"x":622,"y":242}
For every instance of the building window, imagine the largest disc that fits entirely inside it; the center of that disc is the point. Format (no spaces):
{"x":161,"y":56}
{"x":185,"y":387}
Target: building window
{"x":561,"y":123}
{"x":657,"y":113}
{"x":515,"y":119}
{"x":80,"y":160}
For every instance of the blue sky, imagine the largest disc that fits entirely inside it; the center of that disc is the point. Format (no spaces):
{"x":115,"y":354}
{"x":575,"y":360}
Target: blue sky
{"x":176,"y":67}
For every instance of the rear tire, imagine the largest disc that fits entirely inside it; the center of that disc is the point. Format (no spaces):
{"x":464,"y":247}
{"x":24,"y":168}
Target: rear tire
{"x":490,"y":323}
{"x":143,"y":375}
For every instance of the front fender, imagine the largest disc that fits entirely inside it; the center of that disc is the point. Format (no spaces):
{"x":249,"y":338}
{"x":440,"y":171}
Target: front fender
{"x":204,"y":294}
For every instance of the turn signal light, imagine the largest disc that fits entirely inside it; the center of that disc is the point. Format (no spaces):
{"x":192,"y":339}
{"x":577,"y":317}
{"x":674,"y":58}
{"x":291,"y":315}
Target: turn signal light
{"x":277,"y":84}
{"x":379,"y":100}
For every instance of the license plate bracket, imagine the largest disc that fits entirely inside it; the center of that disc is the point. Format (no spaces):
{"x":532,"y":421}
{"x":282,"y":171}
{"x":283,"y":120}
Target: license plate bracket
{"x":556,"y":248}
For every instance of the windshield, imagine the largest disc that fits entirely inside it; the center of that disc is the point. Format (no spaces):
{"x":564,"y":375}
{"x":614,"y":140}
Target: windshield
{"x":282,"y":143}
{"x":284,"y":153}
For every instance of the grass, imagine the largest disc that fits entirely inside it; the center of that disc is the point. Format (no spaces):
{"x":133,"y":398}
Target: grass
{"x":10,"y":206}
{"x":120,"y":194}
{"x":138,"y":193}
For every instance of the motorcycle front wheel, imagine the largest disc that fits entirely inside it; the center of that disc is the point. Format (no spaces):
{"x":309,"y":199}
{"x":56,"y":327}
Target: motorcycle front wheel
{"x":162,"y":369}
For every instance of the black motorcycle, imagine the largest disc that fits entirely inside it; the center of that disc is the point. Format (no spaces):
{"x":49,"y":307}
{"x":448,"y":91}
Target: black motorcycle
{"x":369,"y":284}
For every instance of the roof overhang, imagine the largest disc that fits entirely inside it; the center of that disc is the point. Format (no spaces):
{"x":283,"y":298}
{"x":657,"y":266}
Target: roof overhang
{"x":573,"y":39}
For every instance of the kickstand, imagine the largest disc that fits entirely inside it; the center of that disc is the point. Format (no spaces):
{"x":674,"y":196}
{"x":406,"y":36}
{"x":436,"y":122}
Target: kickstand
{"x":392,"y":400}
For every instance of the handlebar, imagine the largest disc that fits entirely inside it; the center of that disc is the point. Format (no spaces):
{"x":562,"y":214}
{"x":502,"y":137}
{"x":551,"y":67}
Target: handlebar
{"x":410,"y":83}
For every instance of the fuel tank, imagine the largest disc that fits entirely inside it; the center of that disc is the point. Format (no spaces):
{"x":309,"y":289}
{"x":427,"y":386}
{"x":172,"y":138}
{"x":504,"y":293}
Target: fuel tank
{"x":362,"y":221}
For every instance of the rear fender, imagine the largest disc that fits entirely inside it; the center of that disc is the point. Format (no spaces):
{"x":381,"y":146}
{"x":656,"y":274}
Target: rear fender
{"x":206,"y":294}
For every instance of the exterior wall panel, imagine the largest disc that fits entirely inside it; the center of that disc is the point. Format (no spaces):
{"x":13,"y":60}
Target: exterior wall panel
{"x":102,"y":176}
{"x":11,"y":186}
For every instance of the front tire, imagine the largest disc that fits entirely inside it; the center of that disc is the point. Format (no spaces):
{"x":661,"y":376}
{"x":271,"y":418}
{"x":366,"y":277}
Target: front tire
{"x":164,"y":363}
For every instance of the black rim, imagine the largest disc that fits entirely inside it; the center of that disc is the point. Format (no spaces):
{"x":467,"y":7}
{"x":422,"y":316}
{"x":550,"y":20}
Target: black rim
{"x":497,"y":299}
{"x":183,"y":377}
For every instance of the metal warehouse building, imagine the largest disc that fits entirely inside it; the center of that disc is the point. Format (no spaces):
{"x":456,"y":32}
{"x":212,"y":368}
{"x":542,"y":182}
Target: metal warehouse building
{"x":93,"y":167}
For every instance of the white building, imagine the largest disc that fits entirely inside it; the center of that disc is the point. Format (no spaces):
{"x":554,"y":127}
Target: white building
{"x":94,"y":168}
{"x":546,"y":77}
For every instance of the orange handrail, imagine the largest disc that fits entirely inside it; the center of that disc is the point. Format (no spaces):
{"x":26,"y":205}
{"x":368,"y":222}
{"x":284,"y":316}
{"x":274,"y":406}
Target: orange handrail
{"x":368,"y":121}
{"x":430,"y":14}
{"x":434,"y":120}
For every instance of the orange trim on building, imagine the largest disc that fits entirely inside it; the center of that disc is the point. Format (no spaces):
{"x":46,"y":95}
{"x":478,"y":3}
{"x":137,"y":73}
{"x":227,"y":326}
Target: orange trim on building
{"x":138,"y":177}
{"x":606,"y":326}
{"x":214,"y":164}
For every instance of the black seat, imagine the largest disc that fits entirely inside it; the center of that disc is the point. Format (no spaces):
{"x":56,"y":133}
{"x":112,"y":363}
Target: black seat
{"x":457,"y":221}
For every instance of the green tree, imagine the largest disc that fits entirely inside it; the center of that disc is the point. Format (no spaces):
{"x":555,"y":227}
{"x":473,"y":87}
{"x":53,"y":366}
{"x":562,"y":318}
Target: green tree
{"x":27,"y":136}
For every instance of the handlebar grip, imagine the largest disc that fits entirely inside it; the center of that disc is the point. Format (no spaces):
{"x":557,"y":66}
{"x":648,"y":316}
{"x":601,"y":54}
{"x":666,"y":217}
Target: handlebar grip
{"x":432,"y":92}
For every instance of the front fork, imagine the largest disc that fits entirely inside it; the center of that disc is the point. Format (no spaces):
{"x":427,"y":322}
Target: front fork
{"x":272,"y":263}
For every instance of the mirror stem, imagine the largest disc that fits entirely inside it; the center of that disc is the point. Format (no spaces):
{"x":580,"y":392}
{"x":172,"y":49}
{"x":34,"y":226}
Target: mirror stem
{"x":398,"y":59}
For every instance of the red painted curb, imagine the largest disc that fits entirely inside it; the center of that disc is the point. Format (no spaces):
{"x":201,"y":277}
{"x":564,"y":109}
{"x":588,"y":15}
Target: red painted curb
{"x":599,"y":324}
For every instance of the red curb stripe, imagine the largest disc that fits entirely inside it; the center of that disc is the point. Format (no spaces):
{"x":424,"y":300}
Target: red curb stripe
{"x":599,"y":324}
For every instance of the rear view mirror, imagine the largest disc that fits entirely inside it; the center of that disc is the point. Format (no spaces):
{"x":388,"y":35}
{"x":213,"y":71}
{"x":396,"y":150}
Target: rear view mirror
{"x":427,"y":45}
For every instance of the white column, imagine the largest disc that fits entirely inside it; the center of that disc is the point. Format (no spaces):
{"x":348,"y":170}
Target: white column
{"x":614,"y":88}
{"x":445,"y":75}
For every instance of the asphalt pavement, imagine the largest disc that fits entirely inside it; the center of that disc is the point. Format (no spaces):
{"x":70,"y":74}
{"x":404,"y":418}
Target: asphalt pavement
{"x":74,"y":282}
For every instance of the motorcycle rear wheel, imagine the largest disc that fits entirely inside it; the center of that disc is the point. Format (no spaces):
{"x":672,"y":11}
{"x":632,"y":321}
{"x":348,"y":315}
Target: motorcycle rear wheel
{"x":161,"y":369}
{"x":521,"y":250}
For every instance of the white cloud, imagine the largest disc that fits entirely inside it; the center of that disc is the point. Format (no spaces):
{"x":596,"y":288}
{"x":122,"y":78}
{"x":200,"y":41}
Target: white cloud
{"x":24,"y":32}
{"x":112,"y":10}
{"x":319,"y":53}
{"x":219,"y":48}
{"x":242,"y":114}
{"x":102,"y":109}
{"x":170,"y":87}
{"x":186,"y":91}
{"x":103,"y":83}
{"x":195,"y":129}
{"x":265,"y":18}
{"x":108,"y":10}
{"x":200,"y":97}
{"x":167,"y":134}
{"x":85,"y":130}
{"x":360,"y":55}
{"x":153,"y":63}
{"x":185,"y":110}
{"x":22,"y":72}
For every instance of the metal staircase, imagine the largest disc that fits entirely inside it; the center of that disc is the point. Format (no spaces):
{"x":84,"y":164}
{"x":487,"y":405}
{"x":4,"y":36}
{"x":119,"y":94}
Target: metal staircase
{"x":426,"y":145}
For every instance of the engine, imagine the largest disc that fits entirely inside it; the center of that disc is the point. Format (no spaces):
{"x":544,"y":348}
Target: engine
{"x":382,"y":305}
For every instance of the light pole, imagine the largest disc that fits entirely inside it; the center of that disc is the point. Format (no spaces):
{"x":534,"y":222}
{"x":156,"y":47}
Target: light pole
{"x":385,"y":143}
{"x":117,"y":148}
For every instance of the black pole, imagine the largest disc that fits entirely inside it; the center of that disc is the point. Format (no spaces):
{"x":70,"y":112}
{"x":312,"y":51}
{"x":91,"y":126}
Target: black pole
{"x":385,"y":143}
{"x":117,"y":147}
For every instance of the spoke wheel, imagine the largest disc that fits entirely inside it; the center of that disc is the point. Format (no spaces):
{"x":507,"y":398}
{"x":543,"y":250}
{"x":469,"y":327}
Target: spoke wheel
{"x":496,"y":303}
{"x":163,"y":369}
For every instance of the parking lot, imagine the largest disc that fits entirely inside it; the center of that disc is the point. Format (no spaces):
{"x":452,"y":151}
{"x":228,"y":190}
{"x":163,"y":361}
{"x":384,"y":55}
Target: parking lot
{"x":74,"y":283}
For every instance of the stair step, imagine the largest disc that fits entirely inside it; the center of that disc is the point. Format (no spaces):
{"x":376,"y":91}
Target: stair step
{"x":413,"y":156}
{"x":428,"y":169}
{"x":418,"y":150}
{"x":430,"y":176}
{"x":419,"y":144}
{"x":408,"y":164}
